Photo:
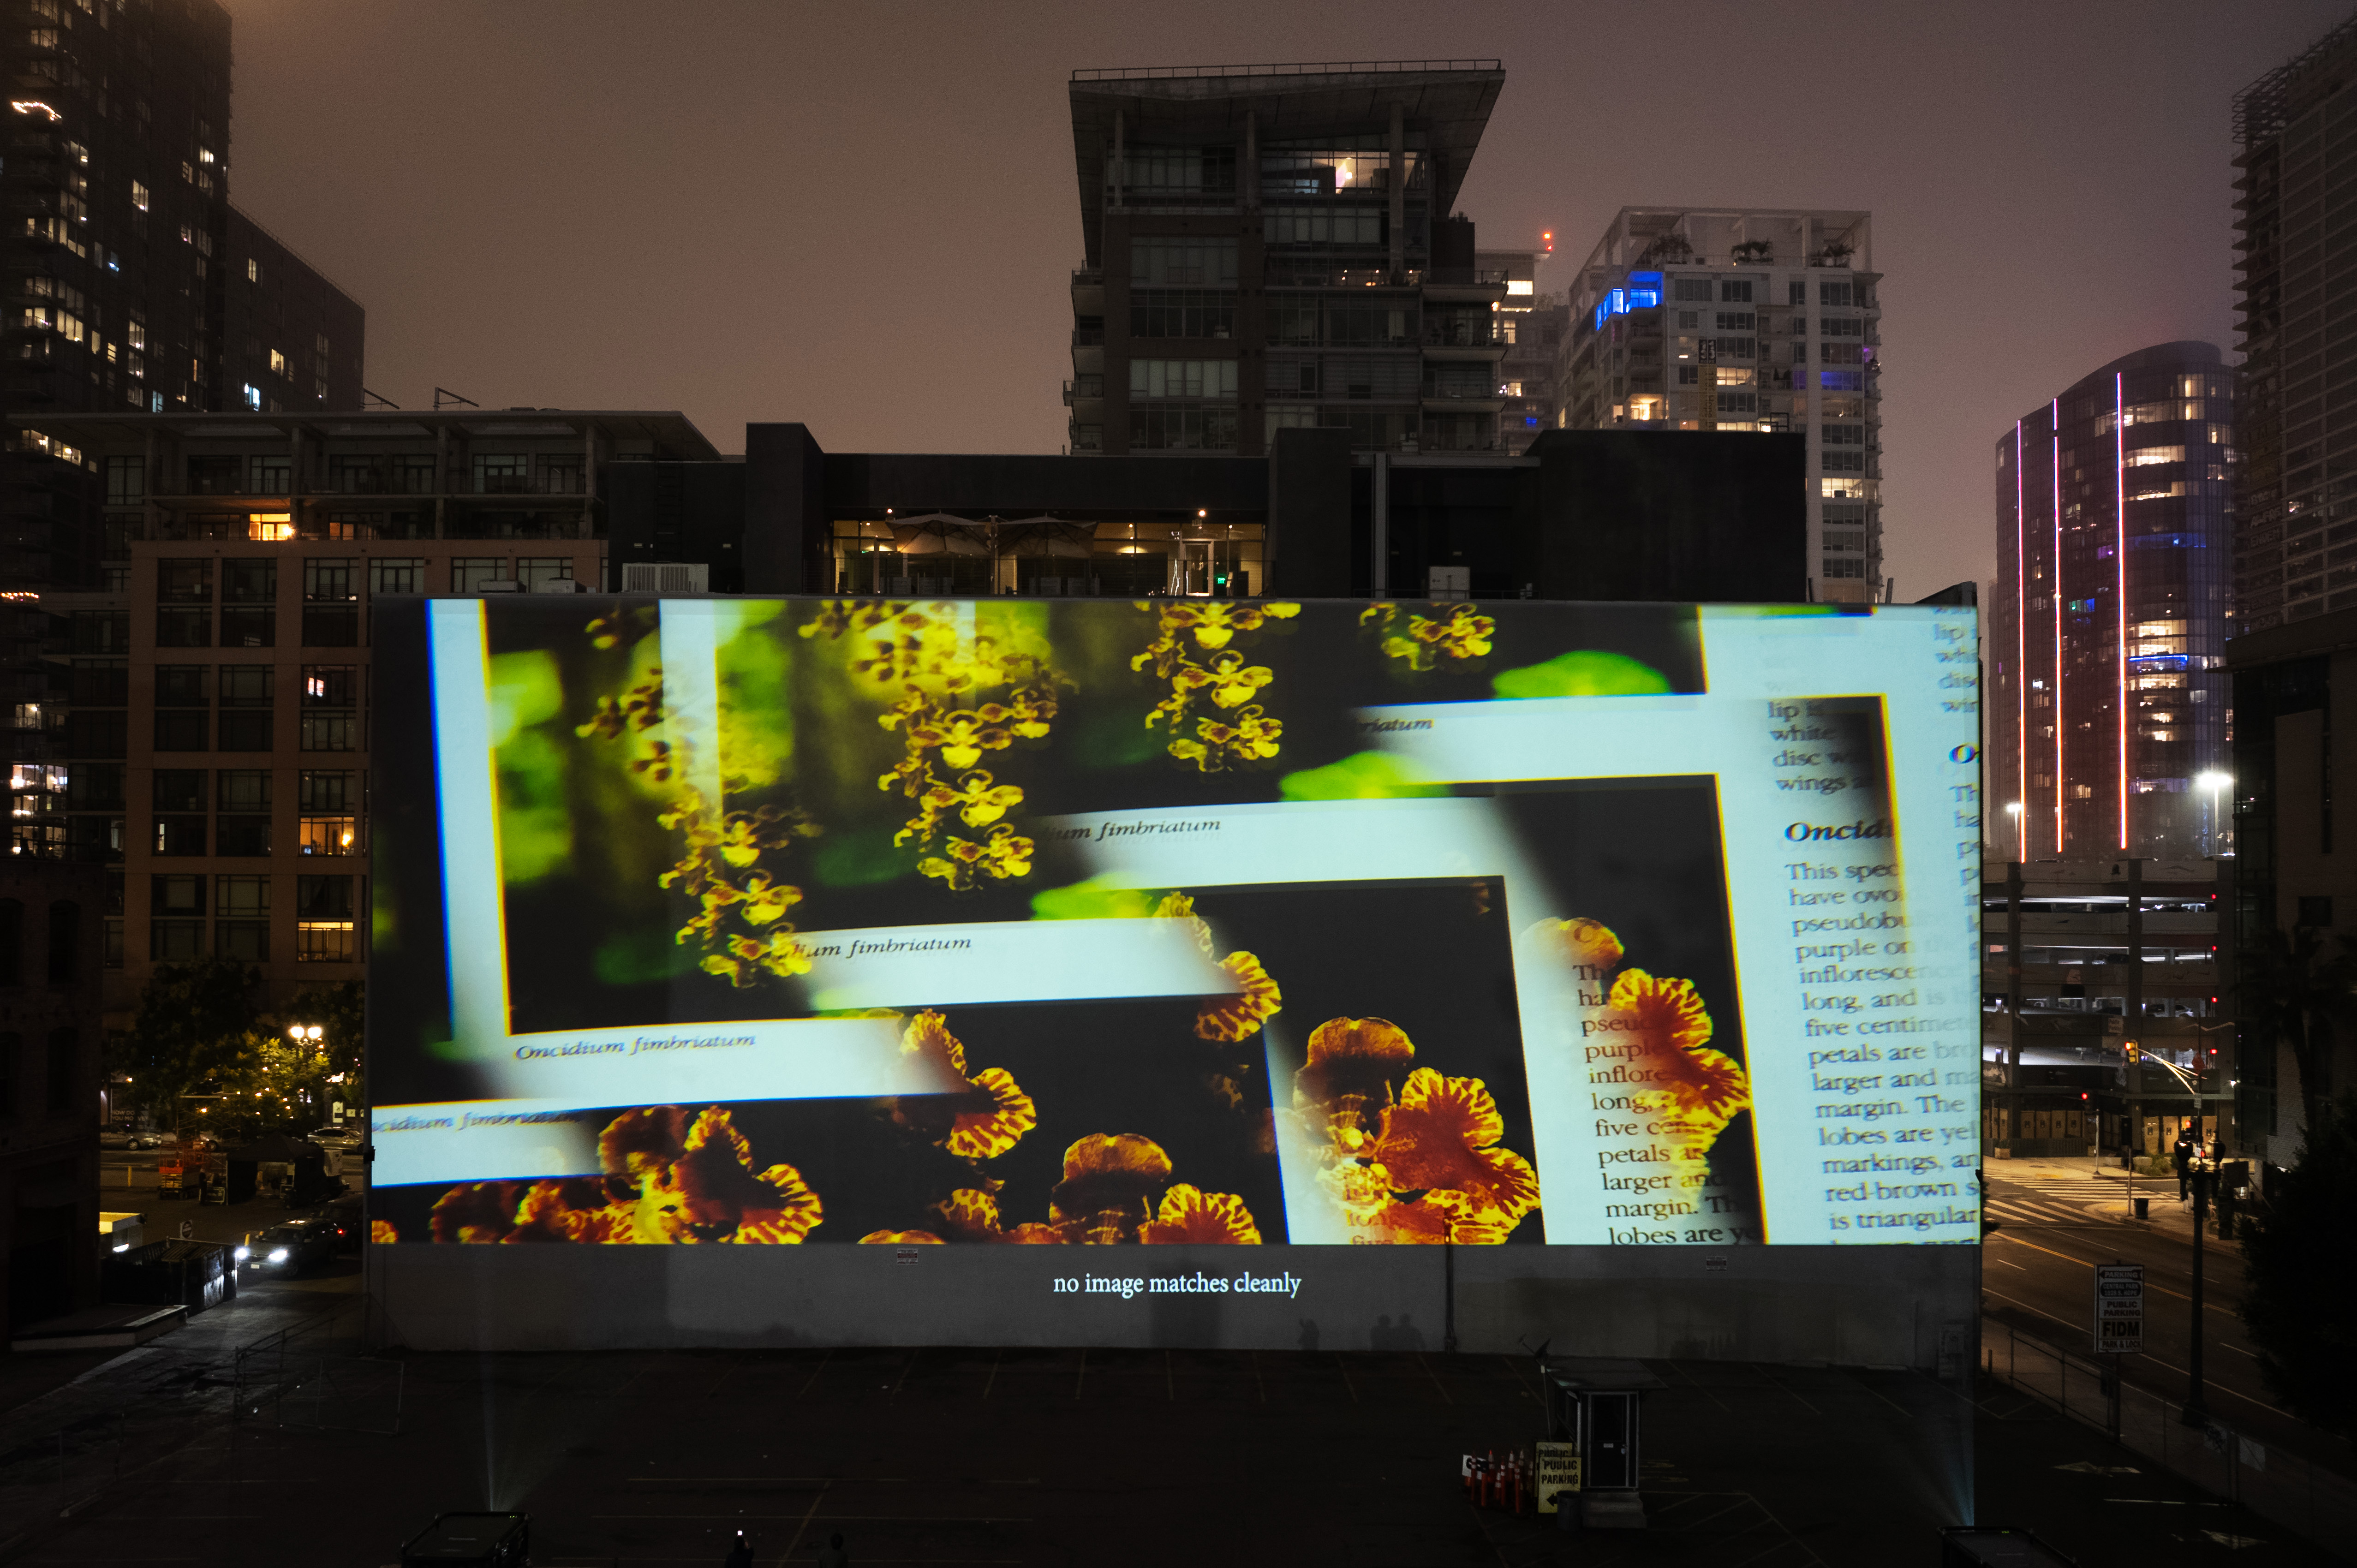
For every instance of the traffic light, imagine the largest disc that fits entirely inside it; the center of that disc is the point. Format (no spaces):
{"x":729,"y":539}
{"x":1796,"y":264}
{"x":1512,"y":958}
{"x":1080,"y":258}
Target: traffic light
{"x":2135,"y":1053}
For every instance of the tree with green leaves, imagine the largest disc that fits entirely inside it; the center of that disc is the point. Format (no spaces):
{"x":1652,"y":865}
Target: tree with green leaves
{"x":190,"y":1026}
{"x":2300,"y":1274}
{"x":2294,"y":990}
{"x":270,"y":1084}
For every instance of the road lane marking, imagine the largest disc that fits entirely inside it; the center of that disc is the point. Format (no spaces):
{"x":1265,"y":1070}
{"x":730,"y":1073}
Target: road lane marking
{"x":2142,"y":1355}
{"x":2164,"y":1290}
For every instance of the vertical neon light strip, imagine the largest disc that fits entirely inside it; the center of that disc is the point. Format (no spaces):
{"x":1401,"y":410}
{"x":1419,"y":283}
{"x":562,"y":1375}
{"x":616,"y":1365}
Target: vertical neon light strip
{"x":2020,"y":664}
{"x":2120,"y":587}
{"x":2054,"y":424}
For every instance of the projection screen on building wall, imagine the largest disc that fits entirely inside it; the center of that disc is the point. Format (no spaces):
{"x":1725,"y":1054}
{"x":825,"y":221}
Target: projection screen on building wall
{"x":1091,"y":922}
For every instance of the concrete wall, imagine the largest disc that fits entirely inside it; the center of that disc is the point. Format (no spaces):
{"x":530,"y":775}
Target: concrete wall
{"x":1849,"y":1306}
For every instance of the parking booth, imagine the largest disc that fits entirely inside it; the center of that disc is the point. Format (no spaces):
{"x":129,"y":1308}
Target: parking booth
{"x":1594,"y":1409}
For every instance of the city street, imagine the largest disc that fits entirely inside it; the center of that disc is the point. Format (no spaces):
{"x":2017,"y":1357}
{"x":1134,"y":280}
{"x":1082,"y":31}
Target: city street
{"x":2058,"y":1221}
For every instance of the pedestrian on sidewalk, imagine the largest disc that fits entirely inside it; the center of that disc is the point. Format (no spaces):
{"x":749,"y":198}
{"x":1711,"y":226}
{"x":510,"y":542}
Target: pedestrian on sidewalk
{"x":740,"y":1555}
{"x":2186,"y":1148}
{"x":832,"y":1555}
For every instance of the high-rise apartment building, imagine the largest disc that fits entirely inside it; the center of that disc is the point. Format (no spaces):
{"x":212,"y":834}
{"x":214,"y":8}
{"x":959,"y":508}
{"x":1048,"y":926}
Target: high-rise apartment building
{"x":2106,"y":692}
{"x":1277,"y":247}
{"x":219,"y":731}
{"x":1533,"y":323}
{"x":133,"y":285}
{"x":1730,"y":320}
{"x":2295,"y":515}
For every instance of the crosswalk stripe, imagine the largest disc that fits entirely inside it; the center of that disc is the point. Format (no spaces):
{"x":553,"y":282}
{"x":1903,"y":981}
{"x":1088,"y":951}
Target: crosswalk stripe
{"x":2044,"y":1215}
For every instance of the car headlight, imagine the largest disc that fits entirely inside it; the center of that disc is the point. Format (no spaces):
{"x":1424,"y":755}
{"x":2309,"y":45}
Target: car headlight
{"x":278,"y":1254}
{"x":243,"y":1253}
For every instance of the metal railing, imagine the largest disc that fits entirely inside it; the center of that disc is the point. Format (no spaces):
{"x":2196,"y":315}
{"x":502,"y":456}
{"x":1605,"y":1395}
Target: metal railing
{"x":1465,"y":334}
{"x":196,"y":1422}
{"x":314,"y":1375}
{"x":1318,"y":68}
{"x":2291,"y":1491}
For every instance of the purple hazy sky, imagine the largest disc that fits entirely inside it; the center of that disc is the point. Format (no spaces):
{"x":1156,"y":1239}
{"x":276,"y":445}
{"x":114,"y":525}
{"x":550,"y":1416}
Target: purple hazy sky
{"x":862,"y":216}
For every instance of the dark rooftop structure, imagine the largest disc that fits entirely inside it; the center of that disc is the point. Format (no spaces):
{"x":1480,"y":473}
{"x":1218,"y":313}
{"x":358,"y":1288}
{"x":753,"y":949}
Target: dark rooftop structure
{"x":1201,"y":106}
{"x":1583,"y":514}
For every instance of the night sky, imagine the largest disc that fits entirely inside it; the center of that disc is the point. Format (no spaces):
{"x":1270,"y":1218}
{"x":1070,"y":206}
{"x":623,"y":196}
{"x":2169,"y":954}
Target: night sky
{"x":861,"y":216}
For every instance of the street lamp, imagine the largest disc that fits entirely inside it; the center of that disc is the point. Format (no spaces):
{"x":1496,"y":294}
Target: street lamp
{"x":304,"y":1036}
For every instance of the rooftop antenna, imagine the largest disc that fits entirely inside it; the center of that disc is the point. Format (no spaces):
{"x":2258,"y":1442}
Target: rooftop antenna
{"x":371,"y":399}
{"x":443,"y":396}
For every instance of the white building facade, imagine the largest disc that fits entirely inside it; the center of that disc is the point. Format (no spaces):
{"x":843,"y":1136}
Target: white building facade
{"x":1736,"y":319}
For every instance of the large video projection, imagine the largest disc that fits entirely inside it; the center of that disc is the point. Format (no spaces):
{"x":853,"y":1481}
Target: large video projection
{"x":1176,"y":921}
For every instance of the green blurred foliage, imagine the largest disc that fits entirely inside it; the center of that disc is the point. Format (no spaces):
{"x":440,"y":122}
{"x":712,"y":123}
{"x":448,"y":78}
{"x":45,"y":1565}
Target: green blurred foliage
{"x":753,"y":667}
{"x":1093,"y":900}
{"x":859,"y":858}
{"x":1363,"y":776}
{"x":1582,"y":672}
{"x":636,"y":957}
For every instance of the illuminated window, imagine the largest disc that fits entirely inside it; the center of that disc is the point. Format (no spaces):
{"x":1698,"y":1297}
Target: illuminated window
{"x":1518,"y":286}
{"x":329,"y":836}
{"x":2145,"y":457}
{"x":252,"y":270}
{"x":269,"y":525}
{"x":277,"y":363}
{"x":326,"y":941}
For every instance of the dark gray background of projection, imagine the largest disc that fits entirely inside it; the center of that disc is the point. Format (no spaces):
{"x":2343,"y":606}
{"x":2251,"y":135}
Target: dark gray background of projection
{"x":1880,"y":1305}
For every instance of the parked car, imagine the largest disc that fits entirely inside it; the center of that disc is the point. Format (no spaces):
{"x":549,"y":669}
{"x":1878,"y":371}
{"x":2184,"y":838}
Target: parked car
{"x":351,"y":1225}
{"x":146,"y":1140}
{"x":290,"y":1248}
{"x":346,"y":1136}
